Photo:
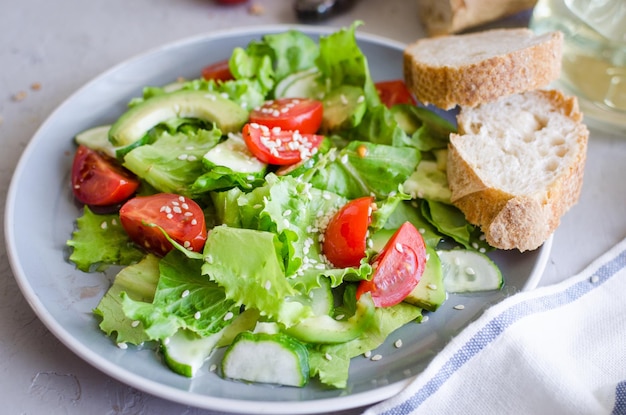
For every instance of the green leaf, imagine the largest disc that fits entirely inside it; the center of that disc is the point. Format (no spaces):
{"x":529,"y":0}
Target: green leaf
{"x":100,"y":241}
{"x":173,"y":162}
{"x":139,"y":282}
{"x":184,"y":299}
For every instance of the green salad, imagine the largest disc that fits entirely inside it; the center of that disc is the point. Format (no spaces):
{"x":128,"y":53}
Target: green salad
{"x":284,"y":207}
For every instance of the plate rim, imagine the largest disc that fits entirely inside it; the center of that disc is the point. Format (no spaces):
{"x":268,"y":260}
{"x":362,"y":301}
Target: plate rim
{"x":145,"y":384}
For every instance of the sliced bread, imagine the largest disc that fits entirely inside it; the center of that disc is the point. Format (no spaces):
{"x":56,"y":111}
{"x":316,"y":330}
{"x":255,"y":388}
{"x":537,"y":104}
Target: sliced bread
{"x":470,"y":69}
{"x":516,"y":166}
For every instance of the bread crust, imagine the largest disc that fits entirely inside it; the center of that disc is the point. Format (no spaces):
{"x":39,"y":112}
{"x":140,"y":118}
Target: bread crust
{"x":518,"y":221}
{"x":446,"y":85}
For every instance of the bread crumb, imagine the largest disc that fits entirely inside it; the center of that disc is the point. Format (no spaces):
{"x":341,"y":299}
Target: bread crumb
{"x":256,"y":9}
{"x":35,"y":86}
{"x":19,"y":96}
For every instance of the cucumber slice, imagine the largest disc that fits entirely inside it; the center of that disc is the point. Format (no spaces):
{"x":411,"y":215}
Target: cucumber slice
{"x":185,"y":352}
{"x":267,"y":358}
{"x":234,"y":154}
{"x":469,"y":271}
{"x":97,"y":138}
{"x":303,"y":84}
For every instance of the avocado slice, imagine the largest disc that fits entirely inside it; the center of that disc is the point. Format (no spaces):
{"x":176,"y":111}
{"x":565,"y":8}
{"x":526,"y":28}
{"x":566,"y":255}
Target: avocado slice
{"x":344,"y":108}
{"x":227,"y":115}
{"x":430,"y":292}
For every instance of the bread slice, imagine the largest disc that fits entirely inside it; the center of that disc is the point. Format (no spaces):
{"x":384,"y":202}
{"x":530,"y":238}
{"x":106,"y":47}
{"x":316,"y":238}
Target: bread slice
{"x":451,"y":16}
{"x":516,"y":166}
{"x":470,"y":69}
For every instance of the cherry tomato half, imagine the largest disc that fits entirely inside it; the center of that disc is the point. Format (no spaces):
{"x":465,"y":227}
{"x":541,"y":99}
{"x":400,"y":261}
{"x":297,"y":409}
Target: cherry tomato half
{"x":219,"y":71}
{"x":394,"y":92}
{"x":279,"y":147}
{"x":302,"y":114}
{"x":345,"y":238}
{"x":181,"y":218}
{"x":398,"y":267}
{"x":98,"y":180}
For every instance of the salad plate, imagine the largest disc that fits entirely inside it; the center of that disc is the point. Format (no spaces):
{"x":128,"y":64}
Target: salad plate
{"x":40,"y":215}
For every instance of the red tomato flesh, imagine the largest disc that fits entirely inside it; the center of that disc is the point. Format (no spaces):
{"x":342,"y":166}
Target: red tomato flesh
{"x":279,"y":147}
{"x":345,"y":238}
{"x":394,"y":92}
{"x":181,"y":218}
{"x":219,"y":71}
{"x":301,"y":114}
{"x":398,"y":268}
{"x":98,"y":180}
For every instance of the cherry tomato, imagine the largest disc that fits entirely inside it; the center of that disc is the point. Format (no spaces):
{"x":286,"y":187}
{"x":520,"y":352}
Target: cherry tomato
{"x":98,"y":180}
{"x":394,"y":92}
{"x":302,"y":114}
{"x":345,"y":238}
{"x":398,"y":267}
{"x":219,"y":71}
{"x":181,"y":218}
{"x":279,"y":147}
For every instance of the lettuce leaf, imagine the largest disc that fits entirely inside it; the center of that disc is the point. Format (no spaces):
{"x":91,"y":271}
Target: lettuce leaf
{"x":139,"y":282}
{"x":184,"y":299}
{"x":99,"y":241}
{"x":174,"y":161}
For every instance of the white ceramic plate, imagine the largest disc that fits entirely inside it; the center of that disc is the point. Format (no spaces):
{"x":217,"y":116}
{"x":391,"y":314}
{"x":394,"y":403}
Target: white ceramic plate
{"x":40,"y":213}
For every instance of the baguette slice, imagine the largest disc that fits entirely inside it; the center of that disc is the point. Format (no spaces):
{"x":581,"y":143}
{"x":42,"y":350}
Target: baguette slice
{"x":516,"y":166}
{"x":475,"y":68}
{"x":450,"y":16}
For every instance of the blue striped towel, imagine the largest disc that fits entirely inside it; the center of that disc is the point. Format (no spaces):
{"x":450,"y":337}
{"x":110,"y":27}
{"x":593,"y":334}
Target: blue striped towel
{"x":558,"y":349}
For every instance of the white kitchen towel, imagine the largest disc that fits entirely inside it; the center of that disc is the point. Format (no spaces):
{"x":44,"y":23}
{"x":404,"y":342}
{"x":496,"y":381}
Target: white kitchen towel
{"x":559,"y":349}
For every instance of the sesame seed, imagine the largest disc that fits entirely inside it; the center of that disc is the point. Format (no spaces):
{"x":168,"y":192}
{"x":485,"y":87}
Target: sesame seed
{"x":185,"y":294}
{"x":470,"y":271}
{"x":459,"y":307}
{"x":327,"y":356}
{"x":185,"y":206}
{"x":170,"y":216}
{"x":194,"y":222}
{"x":431,"y":286}
{"x":209,"y":259}
{"x":122,"y":346}
{"x":103,"y":225}
{"x":228,"y":316}
{"x":398,"y":343}
{"x":186,"y":244}
{"x":213,"y":368}
{"x":399,"y":247}
{"x":182,"y":157}
{"x":166,"y":341}
{"x":594,"y":279}
{"x":376,"y":357}
{"x":424,"y":319}
{"x":340,"y":317}
{"x":344,"y":159}
{"x":268,"y":284}
{"x":367,"y":354}
{"x":135,"y":323}
{"x":197,"y":315}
